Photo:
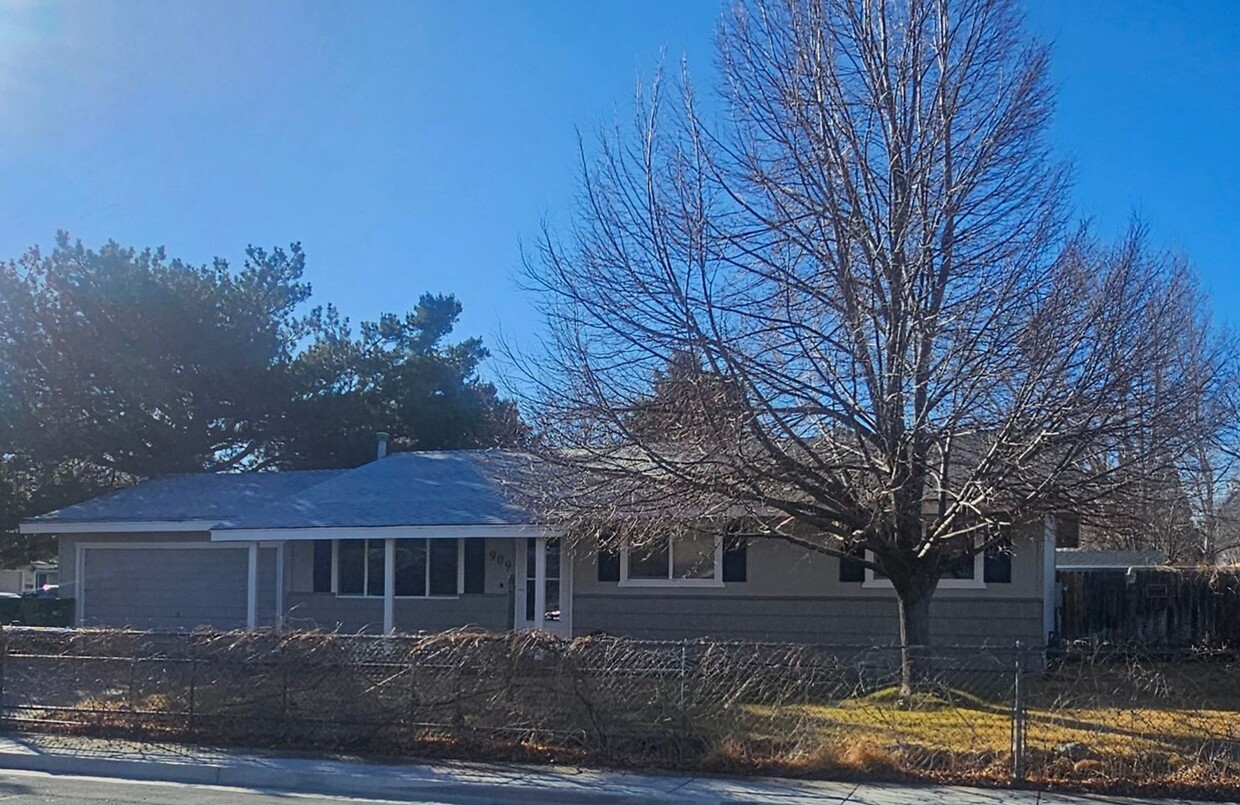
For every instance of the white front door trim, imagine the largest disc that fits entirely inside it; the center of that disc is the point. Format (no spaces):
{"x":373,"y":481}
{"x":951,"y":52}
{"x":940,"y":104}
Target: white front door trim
{"x":564,"y":626}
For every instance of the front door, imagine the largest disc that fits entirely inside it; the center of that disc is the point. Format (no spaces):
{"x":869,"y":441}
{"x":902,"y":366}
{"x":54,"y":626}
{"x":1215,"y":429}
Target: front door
{"x":543,"y":599}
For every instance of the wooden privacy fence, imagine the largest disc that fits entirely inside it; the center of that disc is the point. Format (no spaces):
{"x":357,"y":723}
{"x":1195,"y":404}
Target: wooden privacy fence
{"x":1151,"y":607}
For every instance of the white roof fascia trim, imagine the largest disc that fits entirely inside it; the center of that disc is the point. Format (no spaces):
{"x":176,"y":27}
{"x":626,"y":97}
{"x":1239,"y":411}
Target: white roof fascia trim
{"x":383,"y":532}
{"x":115,"y":527}
{"x":182,"y":545}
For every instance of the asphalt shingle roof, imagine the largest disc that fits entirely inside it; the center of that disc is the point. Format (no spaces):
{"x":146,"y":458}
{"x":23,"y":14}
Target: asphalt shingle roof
{"x":208,"y":497}
{"x":460,"y":487}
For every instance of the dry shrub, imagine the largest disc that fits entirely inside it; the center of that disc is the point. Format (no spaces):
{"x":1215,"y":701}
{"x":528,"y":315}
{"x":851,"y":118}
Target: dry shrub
{"x":870,"y":758}
{"x":783,"y":709}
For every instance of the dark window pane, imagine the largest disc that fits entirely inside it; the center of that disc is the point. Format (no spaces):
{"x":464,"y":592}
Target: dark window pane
{"x":529,"y":598}
{"x":649,"y":561}
{"x":443,"y":566}
{"x":322,"y":566}
{"x":351,"y":558}
{"x":553,"y":558}
{"x":411,"y":567}
{"x":851,"y":570}
{"x":374,"y":567}
{"x":608,"y":565}
{"x":735,"y":559}
{"x":956,"y":561}
{"x":693,"y":555}
{"x":531,"y":545}
{"x":998,"y":568}
{"x":552,"y":611}
{"x":997,"y":564}
{"x":475,"y":566}
{"x":960,"y":567}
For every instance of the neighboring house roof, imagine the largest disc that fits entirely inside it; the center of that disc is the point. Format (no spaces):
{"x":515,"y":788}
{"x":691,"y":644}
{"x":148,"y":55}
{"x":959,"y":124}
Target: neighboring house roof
{"x":201,"y":497}
{"x":1092,"y":559}
{"x":459,"y":487}
{"x":37,"y":566}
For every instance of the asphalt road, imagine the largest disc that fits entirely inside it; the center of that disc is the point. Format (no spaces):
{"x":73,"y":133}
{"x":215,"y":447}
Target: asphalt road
{"x":28,"y":788}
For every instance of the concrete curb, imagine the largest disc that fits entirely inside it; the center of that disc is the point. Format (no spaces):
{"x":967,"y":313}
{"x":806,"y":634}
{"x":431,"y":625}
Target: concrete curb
{"x":480,"y":785}
{"x":334,"y":778}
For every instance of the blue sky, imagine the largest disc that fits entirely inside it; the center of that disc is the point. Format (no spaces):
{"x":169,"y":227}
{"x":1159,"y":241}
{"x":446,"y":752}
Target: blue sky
{"x":412,"y":146}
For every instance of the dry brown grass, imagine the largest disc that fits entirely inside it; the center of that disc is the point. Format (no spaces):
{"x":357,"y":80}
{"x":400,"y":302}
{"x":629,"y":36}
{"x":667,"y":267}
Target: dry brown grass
{"x":966,"y":738}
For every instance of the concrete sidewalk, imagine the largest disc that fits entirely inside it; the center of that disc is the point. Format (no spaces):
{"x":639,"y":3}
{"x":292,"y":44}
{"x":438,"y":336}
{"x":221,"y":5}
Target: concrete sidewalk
{"x":470,"y":783}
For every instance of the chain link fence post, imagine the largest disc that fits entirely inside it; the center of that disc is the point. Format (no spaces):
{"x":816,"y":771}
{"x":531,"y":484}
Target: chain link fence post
{"x":684,"y":672}
{"x":284,"y":715}
{"x":4,"y":661}
{"x":193,"y":683}
{"x":1018,"y":714}
{"x":132,"y":694}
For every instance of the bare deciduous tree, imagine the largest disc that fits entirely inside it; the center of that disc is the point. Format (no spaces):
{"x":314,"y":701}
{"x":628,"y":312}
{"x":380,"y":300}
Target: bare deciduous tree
{"x":865,"y":247}
{"x":1213,"y":474}
{"x":1183,"y":506}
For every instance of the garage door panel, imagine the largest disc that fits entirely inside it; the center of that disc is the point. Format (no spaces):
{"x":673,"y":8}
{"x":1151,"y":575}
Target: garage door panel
{"x":165,"y":588}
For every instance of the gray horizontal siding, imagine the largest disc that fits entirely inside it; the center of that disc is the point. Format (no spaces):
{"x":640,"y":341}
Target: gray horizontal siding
{"x":327,"y":611}
{"x":837,"y":621}
{"x":265,"y":592}
{"x":777,"y":568}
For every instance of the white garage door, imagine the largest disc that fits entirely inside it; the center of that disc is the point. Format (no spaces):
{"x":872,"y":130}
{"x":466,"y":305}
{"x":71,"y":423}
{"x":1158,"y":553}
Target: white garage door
{"x":164,"y":587}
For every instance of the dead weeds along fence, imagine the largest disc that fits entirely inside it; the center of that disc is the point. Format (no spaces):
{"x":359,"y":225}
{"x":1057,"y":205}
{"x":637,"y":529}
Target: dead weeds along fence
{"x":989,"y":713}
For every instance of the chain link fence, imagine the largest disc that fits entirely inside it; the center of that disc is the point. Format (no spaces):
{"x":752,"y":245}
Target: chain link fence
{"x":987,"y":713}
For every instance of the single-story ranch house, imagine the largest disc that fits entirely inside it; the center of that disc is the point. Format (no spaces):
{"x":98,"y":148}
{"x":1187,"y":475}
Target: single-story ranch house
{"x":435,"y":540}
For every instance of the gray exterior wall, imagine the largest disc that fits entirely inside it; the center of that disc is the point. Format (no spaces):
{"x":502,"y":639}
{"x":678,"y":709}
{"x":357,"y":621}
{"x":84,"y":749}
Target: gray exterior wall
{"x":791,"y":595}
{"x":265,"y":600}
{"x":327,"y":611}
{"x":170,"y":588}
{"x":838,"y":621}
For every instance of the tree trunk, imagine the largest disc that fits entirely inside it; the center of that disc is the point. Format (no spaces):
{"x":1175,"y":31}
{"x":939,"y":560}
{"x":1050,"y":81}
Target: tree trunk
{"x":913,"y":601}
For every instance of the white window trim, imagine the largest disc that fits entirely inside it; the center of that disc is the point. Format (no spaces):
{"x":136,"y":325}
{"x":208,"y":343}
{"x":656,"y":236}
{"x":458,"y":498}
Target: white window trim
{"x":978,"y":582}
{"x":460,"y":573}
{"x":670,"y":581}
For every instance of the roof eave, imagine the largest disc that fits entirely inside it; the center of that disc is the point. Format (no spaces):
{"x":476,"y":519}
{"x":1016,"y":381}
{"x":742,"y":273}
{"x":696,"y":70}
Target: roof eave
{"x":445,"y":531}
{"x":114,"y":526}
{"x":1092,"y":568}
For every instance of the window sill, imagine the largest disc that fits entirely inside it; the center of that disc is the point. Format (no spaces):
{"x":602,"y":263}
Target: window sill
{"x":944,"y":584}
{"x":400,"y":597}
{"x":699,"y":583}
